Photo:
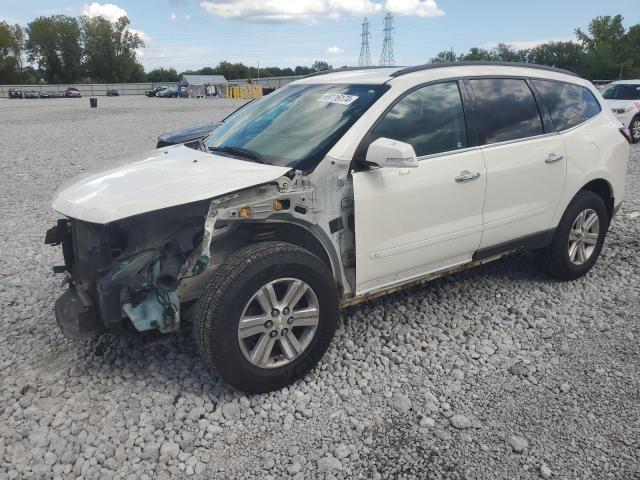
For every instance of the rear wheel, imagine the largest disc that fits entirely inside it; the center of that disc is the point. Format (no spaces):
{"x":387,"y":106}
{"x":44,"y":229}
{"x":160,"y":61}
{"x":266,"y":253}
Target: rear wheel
{"x":578,"y":239}
{"x":267,"y":316}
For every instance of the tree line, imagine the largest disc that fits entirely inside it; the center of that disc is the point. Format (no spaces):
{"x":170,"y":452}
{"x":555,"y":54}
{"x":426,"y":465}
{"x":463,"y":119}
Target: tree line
{"x":606,"y":51}
{"x":64,"y":49}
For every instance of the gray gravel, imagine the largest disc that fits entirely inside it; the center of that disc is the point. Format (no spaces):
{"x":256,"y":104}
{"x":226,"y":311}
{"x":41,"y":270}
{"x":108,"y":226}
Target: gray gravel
{"x":496,"y":373}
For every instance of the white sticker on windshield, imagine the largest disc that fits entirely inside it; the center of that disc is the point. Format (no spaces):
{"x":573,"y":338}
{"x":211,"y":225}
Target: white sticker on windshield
{"x":338,"y":98}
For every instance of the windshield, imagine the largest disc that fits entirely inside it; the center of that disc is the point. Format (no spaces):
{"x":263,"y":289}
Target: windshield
{"x":622,"y":92}
{"x":295,"y":126}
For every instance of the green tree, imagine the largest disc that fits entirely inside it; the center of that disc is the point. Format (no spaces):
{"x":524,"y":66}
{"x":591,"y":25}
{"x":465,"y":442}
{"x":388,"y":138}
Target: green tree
{"x":158,"y":75}
{"x":446,"y":56}
{"x":567,"y":55}
{"x":110,"y":50}
{"x":54,"y":44}
{"x":605,"y":52}
{"x":319,"y":66}
{"x":476,"y":54}
{"x":11,"y":45}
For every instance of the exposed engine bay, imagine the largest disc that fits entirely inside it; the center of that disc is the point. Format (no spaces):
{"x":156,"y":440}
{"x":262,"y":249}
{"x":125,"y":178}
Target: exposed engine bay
{"x":140,"y":273}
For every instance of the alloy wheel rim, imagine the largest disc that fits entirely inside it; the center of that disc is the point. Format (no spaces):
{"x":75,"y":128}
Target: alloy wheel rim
{"x":635,"y":130}
{"x":278,"y":323}
{"x":583,"y":236}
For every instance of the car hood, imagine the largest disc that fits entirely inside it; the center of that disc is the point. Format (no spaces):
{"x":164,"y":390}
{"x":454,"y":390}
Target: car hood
{"x":155,"y":180}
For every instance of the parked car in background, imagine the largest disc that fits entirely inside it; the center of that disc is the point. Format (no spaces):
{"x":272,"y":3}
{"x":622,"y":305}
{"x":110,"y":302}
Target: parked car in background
{"x":31,"y":94}
{"x":189,"y":136}
{"x":623,"y":98}
{"x":281,"y":219}
{"x":15,"y":93}
{"x":153,"y":91}
{"x":45,"y":94}
{"x":72,"y":92}
{"x":59,"y":94}
{"x":113,"y":93}
{"x":167,"y":93}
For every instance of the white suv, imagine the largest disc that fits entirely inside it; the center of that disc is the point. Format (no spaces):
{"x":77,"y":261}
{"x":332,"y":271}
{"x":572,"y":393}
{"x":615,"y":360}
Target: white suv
{"x":623,"y":98}
{"x":333,"y":190}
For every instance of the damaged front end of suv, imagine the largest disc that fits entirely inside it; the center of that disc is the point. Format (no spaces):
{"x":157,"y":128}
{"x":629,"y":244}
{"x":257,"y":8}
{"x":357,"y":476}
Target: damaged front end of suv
{"x":134,"y":259}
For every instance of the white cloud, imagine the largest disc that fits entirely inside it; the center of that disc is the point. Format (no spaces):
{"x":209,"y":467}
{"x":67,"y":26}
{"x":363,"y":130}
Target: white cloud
{"x":307,"y":11}
{"x":417,"y":8}
{"x":187,"y":18}
{"x":334,"y":51}
{"x":526,"y":44}
{"x":143,"y":36}
{"x":172,"y":16}
{"x":106,"y":10}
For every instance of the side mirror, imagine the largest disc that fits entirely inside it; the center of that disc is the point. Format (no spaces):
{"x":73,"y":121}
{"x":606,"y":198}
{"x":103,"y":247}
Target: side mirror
{"x":385,"y":152}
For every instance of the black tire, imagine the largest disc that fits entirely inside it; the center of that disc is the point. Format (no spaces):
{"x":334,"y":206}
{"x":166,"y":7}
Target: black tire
{"x":634,"y":129}
{"x":554,"y":260}
{"x":232,"y":285}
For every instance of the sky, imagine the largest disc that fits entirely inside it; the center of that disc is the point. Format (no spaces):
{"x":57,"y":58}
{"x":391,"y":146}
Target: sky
{"x":190,"y":34}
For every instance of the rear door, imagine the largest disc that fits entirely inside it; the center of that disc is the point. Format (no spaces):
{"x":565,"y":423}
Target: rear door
{"x":410,"y":222}
{"x":524,"y":156}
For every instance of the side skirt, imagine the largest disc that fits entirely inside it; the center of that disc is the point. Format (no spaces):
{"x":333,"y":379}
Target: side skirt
{"x":480,"y":257}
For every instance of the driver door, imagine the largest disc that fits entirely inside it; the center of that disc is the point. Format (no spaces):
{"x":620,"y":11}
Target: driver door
{"x":410,"y":222}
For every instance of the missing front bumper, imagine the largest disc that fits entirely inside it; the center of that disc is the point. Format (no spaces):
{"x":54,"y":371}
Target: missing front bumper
{"x":75,"y":318}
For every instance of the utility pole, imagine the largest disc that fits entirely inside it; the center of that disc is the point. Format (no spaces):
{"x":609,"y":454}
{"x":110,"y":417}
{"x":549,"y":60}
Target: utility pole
{"x":365,"y":57}
{"x":386,"y":58}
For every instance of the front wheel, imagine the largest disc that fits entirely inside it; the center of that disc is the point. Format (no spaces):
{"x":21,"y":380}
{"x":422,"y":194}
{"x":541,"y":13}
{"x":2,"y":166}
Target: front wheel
{"x":267,"y":316}
{"x":578,"y":239}
{"x":634,"y":128}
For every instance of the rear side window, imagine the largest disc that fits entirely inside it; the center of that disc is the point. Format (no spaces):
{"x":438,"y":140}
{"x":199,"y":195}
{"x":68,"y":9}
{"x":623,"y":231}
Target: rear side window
{"x":569,"y":105}
{"x":507,"y":109}
{"x":431,"y":119}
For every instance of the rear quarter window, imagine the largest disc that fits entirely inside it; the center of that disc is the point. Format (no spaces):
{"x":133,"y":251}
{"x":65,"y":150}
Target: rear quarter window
{"x":569,"y":105}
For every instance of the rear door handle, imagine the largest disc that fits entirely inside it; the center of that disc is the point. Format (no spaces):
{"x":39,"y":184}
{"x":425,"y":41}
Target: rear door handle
{"x":467,"y":176}
{"x":553,"y":158}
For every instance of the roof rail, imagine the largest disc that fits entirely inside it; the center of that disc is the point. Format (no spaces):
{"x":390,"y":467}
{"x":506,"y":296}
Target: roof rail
{"x":429,"y":66}
{"x":345,"y":69}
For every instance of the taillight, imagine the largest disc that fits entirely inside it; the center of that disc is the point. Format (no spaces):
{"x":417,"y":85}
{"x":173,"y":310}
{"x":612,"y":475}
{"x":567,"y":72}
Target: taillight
{"x":638,"y":106}
{"x":625,"y":133}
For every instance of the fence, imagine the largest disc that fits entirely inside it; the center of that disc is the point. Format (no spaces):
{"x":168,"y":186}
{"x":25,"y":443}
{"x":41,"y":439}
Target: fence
{"x":100,"y":89}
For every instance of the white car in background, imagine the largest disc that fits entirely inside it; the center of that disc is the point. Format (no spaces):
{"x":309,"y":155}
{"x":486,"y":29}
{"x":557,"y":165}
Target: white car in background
{"x":333,"y":190}
{"x":623,"y":98}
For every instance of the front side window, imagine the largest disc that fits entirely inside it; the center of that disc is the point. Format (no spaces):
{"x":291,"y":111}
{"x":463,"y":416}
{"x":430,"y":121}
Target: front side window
{"x":431,"y":119}
{"x":296,"y":125}
{"x":621,"y":91}
{"x":507,"y":109}
{"x":569,"y":105}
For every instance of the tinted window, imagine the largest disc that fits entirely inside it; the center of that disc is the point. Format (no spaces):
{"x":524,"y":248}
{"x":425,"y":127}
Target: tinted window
{"x":431,"y":119}
{"x":569,"y":105}
{"x":622,"y":92}
{"x":507,"y":109}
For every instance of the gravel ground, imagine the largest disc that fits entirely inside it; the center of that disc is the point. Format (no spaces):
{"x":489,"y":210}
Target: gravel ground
{"x":496,"y":373}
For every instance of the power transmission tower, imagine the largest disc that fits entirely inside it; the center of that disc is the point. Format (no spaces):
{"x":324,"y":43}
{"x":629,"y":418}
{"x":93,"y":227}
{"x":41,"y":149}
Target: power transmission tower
{"x":365,"y":57}
{"x":386,"y":58}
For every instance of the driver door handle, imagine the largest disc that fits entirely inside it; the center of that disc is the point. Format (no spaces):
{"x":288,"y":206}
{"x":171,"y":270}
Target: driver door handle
{"x":553,"y":158}
{"x":467,"y":176}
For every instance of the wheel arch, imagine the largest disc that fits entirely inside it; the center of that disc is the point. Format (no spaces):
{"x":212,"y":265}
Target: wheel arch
{"x":604,"y":190}
{"x":309,"y":237}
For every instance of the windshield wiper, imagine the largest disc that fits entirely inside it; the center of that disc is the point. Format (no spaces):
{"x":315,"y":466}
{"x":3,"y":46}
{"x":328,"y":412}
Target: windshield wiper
{"x":240,"y":152}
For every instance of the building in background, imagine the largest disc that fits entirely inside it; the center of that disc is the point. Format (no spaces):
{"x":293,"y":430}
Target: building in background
{"x":203,"y":85}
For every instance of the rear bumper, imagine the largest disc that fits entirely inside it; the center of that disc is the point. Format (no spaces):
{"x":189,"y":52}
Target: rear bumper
{"x":77,"y":316}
